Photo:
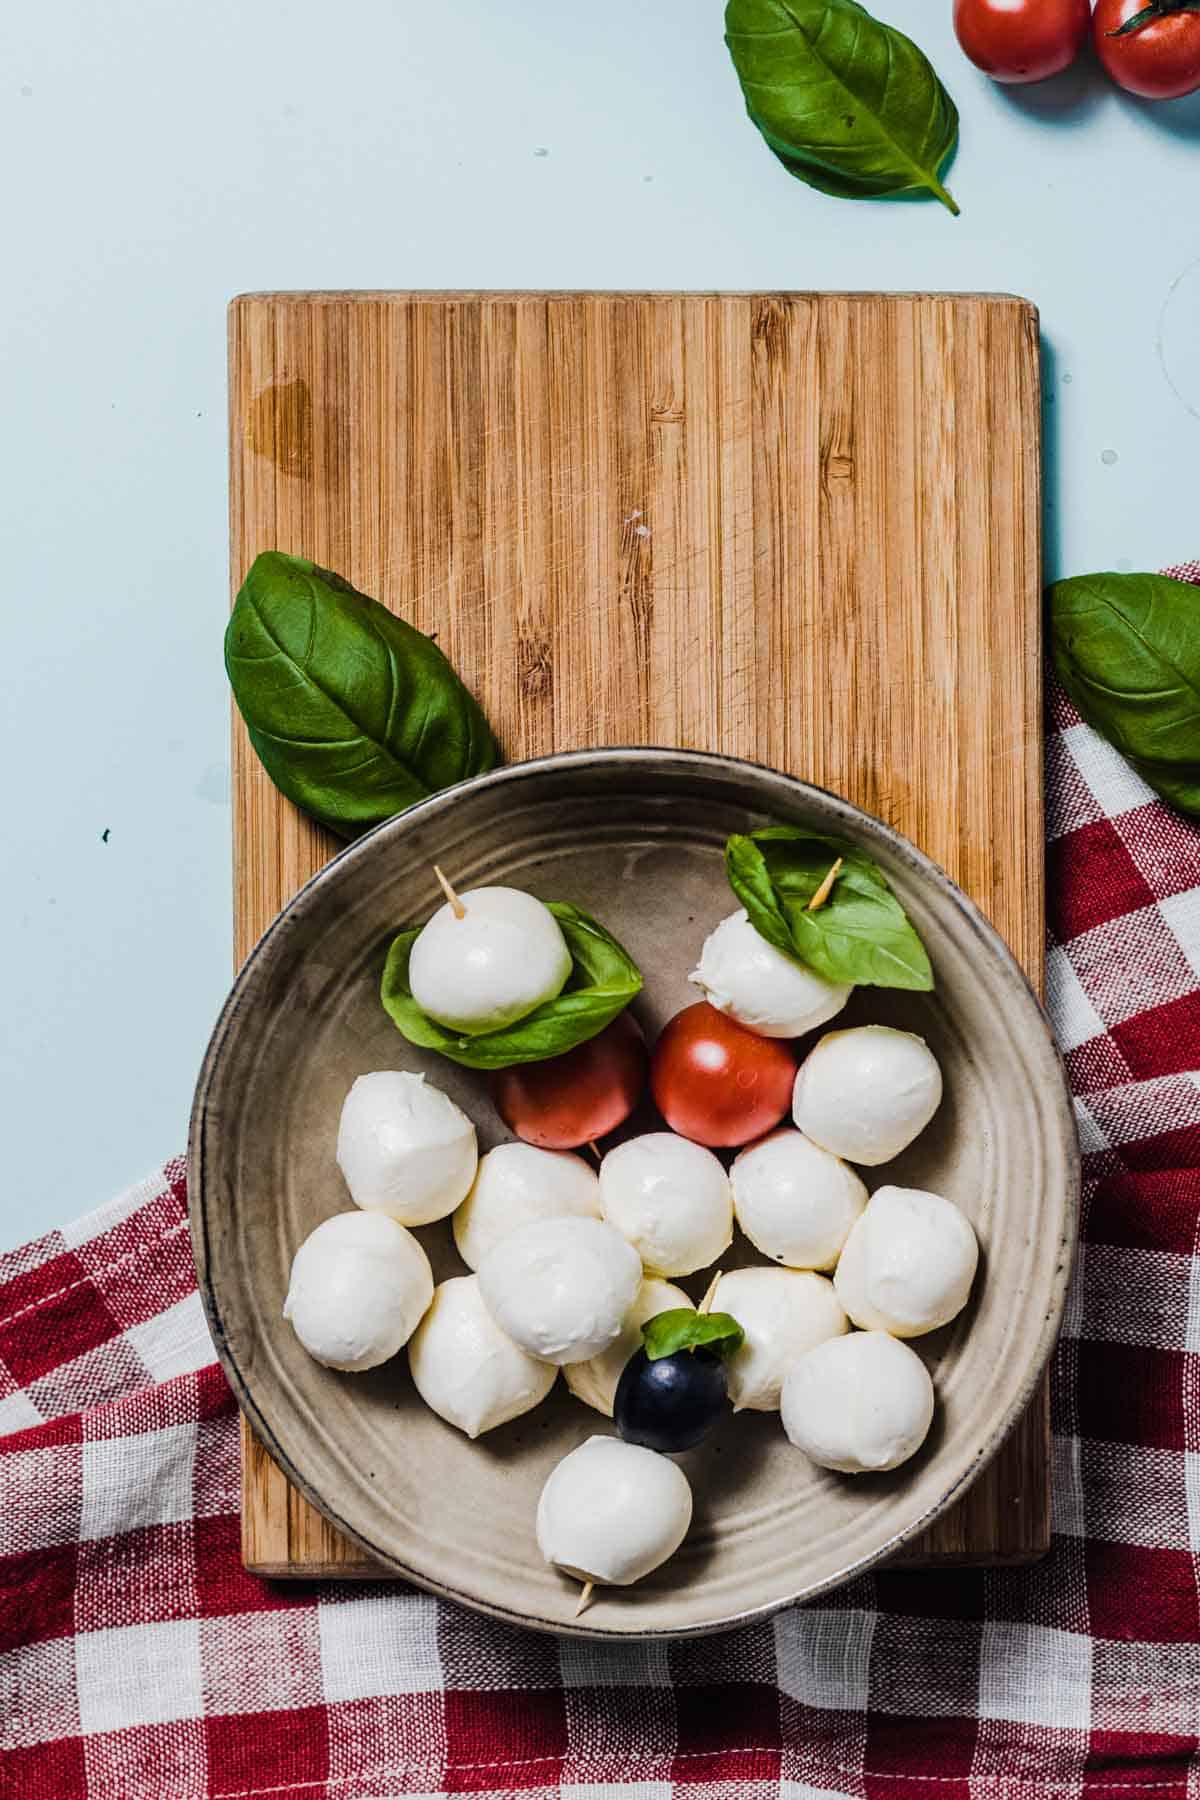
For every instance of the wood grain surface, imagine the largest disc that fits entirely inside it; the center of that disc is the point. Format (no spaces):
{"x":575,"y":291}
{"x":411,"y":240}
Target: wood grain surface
{"x":801,"y":528}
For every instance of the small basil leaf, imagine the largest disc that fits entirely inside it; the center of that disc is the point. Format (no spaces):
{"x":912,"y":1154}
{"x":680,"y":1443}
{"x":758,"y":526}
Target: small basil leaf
{"x":846,"y":103}
{"x":682,"y":1328}
{"x":860,"y":934}
{"x":750,"y":879}
{"x":354,"y":714}
{"x":1127,"y":650}
{"x":604,"y":978}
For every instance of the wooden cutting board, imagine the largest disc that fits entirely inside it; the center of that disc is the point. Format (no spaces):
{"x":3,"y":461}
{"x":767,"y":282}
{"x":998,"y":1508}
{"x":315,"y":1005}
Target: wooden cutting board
{"x":801,"y":528}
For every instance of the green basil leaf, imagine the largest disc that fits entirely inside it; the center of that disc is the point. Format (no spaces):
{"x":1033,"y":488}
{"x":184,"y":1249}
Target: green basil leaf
{"x":1127,"y":650}
{"x":682,"y":1328}
{"x":848,"y":104}
{"x":751,"y":881}
{"x":354,"y":714}
{"x":861,"y":934}
{"x":604,"y":978}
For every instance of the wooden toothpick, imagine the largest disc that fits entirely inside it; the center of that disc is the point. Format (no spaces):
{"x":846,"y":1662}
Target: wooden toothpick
{"x":595,"y":1149}
{"x":826,"y":888}
{"x":456,"y":905}
{"x":585,"y":1598}
{"x":706,"y":1304}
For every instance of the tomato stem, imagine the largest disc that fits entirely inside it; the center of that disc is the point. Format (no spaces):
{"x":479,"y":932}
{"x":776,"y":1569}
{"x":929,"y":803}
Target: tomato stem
{"x":1154,"y":9}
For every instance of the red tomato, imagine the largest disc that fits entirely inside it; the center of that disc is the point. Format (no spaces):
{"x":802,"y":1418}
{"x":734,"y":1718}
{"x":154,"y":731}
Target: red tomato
{"x":1022,"y":40}
{"x":717,"y":1083}
{"x":574,"y":1099}
{"x":1161,"y":60}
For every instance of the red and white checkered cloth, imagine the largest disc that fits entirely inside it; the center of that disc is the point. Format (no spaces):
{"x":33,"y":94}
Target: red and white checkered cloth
{"x":138,"y":1661}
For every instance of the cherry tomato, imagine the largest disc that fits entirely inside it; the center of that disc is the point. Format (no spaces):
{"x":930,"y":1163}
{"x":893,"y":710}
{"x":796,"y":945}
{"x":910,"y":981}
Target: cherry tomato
{"x":574,"y":1099}
{"x":1161,"y":60}
{"x":1022,"y":40}
{"x":717,"y":1083}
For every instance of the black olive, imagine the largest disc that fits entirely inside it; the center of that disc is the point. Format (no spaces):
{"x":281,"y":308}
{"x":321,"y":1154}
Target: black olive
{"x":671,"y":1403}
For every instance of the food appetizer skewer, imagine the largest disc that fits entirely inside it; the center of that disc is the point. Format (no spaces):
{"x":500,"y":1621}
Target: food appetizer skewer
{"x":572,"y":1267}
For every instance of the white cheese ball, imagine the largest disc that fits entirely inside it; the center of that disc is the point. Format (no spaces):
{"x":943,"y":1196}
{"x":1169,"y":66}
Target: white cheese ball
{"x":611,"y":1511}
{"x":908,"y":1264}
{"x":484,"y":971}
{"x":671,"y":1199}
{"x":867,"y":1093}
{"x":516,"y":1183}
{"x":561,"y":1287}
{"x":756,"y":984}
{"x":783,"y":1313}
{"x":405,"y":1148}
{"x":466,"y":1369}
{"x":595,"y":1381}
{"x":858,"y":1404}
{"x":359,"y":1286}
{"x":794,"y":1201}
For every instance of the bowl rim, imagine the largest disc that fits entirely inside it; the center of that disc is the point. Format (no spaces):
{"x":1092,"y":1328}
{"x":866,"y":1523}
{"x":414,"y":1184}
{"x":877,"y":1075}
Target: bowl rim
{"x":652,"y":757}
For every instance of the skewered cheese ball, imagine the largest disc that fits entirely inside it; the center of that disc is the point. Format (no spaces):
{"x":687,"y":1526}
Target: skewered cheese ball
{"x":516,"y":1183}
{"x":671,"y":1199}
{"x":466,"y":1369}
{"x":908,"y":1264}
{"x":611,"y":1511}
{"x":783,"y":1312}
{"x":359,"y":1285}
{"x":561,"y":1287}
{"x":794,"y":1201}
{"x":756,"y":984}
{"x":404,"y":1147}
{"x":491,"y":967}
{"x":858,"y":1403}
{"x":595,"y":1381}
{"x":866,"y":1093}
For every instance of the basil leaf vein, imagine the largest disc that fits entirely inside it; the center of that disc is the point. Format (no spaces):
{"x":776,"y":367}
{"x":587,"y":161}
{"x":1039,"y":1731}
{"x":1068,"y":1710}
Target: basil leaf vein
{"x":604,"y":978}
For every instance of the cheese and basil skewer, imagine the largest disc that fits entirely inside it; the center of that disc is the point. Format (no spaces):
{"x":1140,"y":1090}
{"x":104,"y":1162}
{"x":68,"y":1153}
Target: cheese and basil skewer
{"x":486,"y":959}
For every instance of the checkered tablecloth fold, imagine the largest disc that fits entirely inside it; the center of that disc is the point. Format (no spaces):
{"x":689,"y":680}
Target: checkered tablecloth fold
{"x":138,"y":1660}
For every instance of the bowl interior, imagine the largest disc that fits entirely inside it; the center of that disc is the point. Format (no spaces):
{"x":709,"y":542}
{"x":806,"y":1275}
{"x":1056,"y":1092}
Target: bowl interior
{"x":637,"y":839}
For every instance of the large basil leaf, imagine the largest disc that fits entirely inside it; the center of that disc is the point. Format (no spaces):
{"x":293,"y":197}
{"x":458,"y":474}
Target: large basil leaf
{"x":354,"y":714}
{"x":604,"y":978}
{"x":1127,"y":650}
{"x":847,"y":104}
{"x":860,"y":934}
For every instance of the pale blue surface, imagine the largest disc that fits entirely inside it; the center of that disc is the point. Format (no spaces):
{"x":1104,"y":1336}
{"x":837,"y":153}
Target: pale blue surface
{"x":161,"y":158}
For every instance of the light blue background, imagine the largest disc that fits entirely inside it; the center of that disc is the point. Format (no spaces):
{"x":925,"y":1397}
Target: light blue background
{"x":160,"y":158}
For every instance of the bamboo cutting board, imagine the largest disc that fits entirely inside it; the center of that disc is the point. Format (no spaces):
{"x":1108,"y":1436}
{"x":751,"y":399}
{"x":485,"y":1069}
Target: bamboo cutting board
{"x":800,"y":528}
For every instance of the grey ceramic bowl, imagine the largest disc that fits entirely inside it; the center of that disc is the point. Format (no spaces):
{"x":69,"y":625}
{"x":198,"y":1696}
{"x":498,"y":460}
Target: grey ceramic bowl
{"x":636,"y":837}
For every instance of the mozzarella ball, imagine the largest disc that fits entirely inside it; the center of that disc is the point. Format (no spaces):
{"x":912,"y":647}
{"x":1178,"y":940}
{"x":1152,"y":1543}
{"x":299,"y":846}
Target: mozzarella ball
{"x":561,"y":1287}
{"x":794,"y":1201}
{"x":466,"y":1369}
{"x":595,"y":1381}
{"x":858,"y":1403}
{"x":867,"y":1093}
{"x":516,"y":1183}
{"x":908,"y":1264}
{"x":405,"y":1148}
{"x":502,"y":959}
{"x":359,"y":1286}
{"x":672,"y":1200}
{"x":783,"y":1313}
{"x":611,"y":1511}
{"x":756,"y":984}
